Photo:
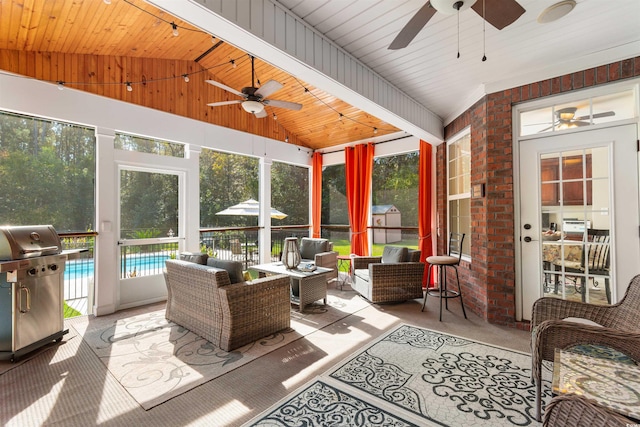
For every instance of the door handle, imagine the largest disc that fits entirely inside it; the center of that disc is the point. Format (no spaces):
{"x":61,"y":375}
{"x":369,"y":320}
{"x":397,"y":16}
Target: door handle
{"x":527,"y":239}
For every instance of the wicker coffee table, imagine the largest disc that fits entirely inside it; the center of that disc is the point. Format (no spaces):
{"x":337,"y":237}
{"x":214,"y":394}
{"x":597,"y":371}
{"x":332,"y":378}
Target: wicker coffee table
{"x":306,"y":287}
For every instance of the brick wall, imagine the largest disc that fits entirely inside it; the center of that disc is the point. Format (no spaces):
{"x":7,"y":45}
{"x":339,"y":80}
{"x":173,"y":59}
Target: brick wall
{"x":488,"y":282}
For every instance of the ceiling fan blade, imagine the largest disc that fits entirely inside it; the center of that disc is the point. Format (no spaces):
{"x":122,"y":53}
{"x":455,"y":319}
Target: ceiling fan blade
{"x":261,"y":114}
{"x":225,"y":87}
{"x":597,"y":115}
{"x":217,"y":104}
{"x":413,"y":27}
{"x":282,"y":104}
{"x":499,"y":13}
{"x":580,"y":123}
{"x":268,"y":88}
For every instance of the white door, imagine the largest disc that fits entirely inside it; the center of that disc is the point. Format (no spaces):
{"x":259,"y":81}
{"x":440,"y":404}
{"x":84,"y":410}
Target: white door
{"x":149,"y":232}
{"x":579,"y":217}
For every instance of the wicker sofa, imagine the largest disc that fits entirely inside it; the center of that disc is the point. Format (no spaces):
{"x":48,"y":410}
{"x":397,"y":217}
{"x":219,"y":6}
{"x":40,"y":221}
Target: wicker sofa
{"x":202,"y":299}
{"x":393,"y":277}
{"x":571,"y":410}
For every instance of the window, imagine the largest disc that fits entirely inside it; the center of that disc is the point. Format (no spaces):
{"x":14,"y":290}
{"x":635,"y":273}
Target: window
{"x":334,"y":195}
{"x":584,"y":112}
{"x":148,"y":145}
{"x":47,"y":173}
{"x":394,"y":194}
{"x":290,"y":194}
{"x":226,"y":180}
{"x":459,"y":187}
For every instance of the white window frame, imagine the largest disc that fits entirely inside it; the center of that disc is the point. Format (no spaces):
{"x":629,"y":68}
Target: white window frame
{"x":466,"y":132}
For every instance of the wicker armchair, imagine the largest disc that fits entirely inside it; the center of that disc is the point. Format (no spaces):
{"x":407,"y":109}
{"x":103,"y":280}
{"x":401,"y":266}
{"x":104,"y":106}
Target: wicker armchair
{"x":202,"y":299}
{"x":380,"y":281}
{"x":619,"y":330}
{"x":321,"y":253}
{"x":571,"y":410}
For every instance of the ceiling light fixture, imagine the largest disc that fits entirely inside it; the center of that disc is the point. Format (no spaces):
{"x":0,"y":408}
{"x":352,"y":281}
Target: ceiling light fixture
{"x":186,"y":78}
{"x":175,"y":29}
{"x":556,"y":11}
{"x":252,"y":106}
{"x":450,"y":7}
{"x":129,"y":87}
{"x":60,"y":85}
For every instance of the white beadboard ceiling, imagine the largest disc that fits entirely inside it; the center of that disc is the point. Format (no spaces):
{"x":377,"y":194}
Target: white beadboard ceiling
{"x":596,"y":32}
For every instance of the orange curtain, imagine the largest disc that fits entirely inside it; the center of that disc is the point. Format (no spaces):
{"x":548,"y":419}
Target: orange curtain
{"x":358,"y":171}
{"x":424,"y":205}
{"x":316,"y":194}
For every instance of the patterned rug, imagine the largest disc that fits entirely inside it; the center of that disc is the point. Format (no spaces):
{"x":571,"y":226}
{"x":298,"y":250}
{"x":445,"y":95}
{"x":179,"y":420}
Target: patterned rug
{"x":155,"y":360}
{"x":415,"y":376}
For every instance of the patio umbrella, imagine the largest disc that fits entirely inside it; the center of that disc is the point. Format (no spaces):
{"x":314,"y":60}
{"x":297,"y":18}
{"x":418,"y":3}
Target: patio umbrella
{"x":250,"y":208}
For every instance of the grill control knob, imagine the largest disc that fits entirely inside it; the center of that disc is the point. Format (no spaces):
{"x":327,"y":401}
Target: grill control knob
{"x":32,"y":272}
{"x":53,"y":267}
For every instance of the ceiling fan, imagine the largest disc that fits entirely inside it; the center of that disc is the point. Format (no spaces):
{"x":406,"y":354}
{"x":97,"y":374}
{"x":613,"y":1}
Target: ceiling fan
{"x":566,"y":118}
{"x":498,"y":13}
{"x":255,"y":99}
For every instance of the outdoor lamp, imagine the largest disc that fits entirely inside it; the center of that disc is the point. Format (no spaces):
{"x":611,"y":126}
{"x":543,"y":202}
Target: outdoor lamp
{"x":291,"y":253}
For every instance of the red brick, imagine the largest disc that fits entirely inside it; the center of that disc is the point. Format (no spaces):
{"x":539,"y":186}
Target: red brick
{"x":602,"y":74}
{"x":627,"y":69}
{"x":614,"y":71}
{"x":589,"y":77}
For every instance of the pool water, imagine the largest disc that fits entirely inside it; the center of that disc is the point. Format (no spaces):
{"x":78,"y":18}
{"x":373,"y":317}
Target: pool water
{"x":143,"y":266}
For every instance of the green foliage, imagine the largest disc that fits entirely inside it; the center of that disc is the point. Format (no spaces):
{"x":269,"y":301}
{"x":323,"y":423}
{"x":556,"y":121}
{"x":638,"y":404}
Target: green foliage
{"x":70,"y":312}
{"x":146,"y":233}
{"x":47,"y":173}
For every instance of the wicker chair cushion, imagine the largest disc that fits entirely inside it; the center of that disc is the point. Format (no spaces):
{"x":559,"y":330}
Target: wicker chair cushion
{"x":601,"y":352}
{"x":310,"y":247}
{"x":234,"y":268}
{"x":197,"y":257}
{"x":394,"y":254}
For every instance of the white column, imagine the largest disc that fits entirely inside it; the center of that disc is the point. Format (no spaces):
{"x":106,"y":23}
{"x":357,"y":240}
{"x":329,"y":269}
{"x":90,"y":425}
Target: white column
{"x":264,"y":220}
{"x":106,"y":254}
{"x":190,"y":212}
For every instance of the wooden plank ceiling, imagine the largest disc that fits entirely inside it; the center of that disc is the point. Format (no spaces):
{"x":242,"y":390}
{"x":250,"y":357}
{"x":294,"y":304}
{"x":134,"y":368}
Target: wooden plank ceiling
{"x":98,"y":47}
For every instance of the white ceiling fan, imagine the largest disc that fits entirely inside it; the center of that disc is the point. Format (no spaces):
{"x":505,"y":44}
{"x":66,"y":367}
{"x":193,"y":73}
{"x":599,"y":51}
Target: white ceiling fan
{"x":255,"y":99}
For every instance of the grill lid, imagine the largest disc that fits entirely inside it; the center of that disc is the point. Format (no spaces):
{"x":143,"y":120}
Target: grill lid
{"x":28,"y":241}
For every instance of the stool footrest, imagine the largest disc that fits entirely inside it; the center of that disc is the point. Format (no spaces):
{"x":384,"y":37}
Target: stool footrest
{"x":444,"y":294}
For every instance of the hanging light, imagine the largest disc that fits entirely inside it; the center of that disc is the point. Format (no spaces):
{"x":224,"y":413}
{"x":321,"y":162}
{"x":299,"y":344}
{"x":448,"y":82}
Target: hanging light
{"x":233,"y":63}
{"x":186,"y":78}
{"x":107,"y":1}
{"x":60,"y":85}
{"x":129,"y":87}
{"x":175,"y":29}
{"x":291,"y":253}
{"x":252,"y":107}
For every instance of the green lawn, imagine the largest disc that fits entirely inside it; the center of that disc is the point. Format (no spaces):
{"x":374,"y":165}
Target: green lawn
{"x":70,"y":312}
{"x":343,"y":247}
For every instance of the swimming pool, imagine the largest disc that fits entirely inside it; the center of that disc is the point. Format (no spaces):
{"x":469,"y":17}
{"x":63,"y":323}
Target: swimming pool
{"x":143,"y":265}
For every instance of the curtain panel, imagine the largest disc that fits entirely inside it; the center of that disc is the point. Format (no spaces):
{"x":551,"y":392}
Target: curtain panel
{"x":316,"y":195}
{"x":358,"y":171}
{"x":424,"y":206}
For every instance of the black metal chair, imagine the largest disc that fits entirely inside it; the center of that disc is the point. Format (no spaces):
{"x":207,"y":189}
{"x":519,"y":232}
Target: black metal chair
{"x":452,"y":259}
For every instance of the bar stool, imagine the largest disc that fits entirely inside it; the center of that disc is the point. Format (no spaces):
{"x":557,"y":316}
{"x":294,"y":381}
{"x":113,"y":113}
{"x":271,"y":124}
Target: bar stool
{"x":442,"y":262}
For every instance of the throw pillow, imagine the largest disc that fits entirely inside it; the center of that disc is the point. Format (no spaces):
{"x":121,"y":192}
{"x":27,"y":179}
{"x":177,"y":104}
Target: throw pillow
{"x":197,"y":257}
{"x":234,"y":268}
{"x":310,"y":247}
{"x":394,"y":254}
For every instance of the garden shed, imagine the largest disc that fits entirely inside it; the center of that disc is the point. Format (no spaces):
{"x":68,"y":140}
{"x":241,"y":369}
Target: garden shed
{"x":386,"y":216}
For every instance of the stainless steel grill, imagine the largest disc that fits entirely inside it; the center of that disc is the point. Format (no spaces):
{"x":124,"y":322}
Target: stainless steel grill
{"x":32,"y":265}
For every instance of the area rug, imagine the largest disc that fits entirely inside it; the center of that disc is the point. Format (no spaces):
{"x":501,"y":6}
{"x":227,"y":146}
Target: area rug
{"x":411,"y":374}
{"x":156,"y":360}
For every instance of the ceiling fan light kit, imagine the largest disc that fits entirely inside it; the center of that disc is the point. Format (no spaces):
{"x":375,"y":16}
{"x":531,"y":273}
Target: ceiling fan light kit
{"x":556,"y":11}
{"x":252,"y":107}
{"x":450,"y":7}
